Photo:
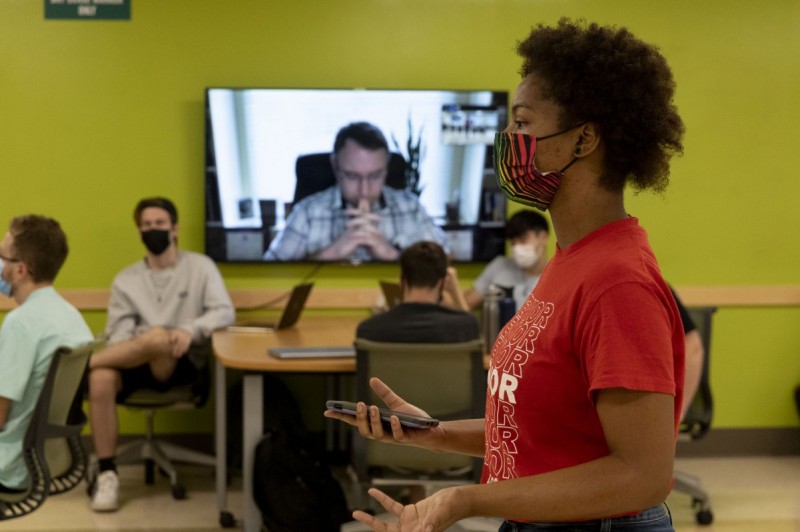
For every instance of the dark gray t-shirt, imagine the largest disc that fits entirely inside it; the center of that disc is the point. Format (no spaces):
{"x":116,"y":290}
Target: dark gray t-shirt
{"x":420,"y":323}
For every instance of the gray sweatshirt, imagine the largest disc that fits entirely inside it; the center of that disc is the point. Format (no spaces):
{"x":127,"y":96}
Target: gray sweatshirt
{"x":191,"y":295}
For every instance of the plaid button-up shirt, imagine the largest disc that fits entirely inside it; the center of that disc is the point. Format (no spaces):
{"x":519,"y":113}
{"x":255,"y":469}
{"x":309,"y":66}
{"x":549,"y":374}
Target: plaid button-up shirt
{"x":318,"y":220}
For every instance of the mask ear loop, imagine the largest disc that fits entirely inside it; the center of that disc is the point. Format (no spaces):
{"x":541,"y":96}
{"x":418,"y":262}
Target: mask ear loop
{"x":573,"y":161}
{"x":557,"y":133}
{"x":577,"y":150}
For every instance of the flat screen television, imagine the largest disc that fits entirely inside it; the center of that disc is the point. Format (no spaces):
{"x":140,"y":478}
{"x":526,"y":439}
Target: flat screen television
{"x":441,"y":138}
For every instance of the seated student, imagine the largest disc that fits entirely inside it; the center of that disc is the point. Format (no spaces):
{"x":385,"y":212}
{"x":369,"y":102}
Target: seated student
{"x":528,"y":232}
{"x":31,"y":254}
{"x":359,"y":218}
{"x":161,"y":314}
{"x":420,"y":318}
{"x":694,"y":356}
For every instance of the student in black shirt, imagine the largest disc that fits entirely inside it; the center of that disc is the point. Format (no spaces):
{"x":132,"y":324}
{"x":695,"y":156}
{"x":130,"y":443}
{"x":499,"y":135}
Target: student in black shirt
{"x":421,"y":318}
{"x":694,"y":355}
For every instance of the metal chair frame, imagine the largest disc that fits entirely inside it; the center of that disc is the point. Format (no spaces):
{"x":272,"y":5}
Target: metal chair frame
{"x":52,"y":448}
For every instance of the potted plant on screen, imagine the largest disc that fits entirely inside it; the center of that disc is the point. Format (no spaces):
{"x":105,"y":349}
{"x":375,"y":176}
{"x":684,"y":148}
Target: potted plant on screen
{"x":413,"y":153}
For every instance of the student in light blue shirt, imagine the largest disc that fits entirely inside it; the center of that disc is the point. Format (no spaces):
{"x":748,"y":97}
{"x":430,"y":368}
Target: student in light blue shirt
{"x":31,"y":254}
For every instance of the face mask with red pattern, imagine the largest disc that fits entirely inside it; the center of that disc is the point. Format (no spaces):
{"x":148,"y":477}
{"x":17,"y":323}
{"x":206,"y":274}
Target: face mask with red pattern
{"x":516,"y":170}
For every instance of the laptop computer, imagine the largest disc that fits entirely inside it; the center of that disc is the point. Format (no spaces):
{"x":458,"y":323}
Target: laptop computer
{"x":288,"y":353}
{"x":391,"y":293}
{"x":289,"y":315}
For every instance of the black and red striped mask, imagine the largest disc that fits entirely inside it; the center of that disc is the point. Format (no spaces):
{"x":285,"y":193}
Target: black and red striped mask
{"x":516,"y":169}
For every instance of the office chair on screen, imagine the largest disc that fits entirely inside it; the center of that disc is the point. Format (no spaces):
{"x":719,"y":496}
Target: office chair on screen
{"x":314,"y":174}
{"x":697,"y":421}
{"x":154,"y":452}
{"x":52,"y":449}
{"x":448,"y":381}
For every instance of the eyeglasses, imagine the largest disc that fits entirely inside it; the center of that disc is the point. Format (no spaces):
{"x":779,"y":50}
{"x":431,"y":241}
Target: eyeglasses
{"x":372,"y":178}
{"x":9,"y":259}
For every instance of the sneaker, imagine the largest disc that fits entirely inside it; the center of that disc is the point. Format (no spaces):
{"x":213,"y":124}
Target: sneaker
{"x":106,"y":492}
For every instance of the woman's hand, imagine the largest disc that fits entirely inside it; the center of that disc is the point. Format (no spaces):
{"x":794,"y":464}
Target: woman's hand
{"x":433,"y":514}
{"x":369,"y":424}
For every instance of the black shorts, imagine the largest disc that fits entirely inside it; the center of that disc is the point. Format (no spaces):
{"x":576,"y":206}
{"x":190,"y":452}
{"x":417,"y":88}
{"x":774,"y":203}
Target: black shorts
{"x":141,"y":377}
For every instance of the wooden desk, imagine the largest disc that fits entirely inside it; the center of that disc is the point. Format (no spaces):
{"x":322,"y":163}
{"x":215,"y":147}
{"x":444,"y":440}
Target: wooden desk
{"x":248,"y":351}
{"x":362,"y":298}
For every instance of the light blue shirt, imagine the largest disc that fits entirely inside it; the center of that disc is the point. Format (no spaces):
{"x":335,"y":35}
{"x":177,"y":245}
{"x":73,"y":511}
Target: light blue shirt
{"x":28,"y":337}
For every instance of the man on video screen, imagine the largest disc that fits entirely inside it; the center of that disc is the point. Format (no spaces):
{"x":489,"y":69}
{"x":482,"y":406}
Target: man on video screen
{"x":359,"y":218}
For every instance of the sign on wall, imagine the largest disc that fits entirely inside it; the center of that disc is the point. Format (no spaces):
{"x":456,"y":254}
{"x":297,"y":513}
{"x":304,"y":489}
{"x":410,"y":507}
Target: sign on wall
{"x":88,"y":9}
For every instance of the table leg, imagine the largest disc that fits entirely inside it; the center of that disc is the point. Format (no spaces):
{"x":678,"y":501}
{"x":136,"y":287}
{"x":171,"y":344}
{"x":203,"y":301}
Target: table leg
{"x":226,"y":519}
{"x":252,"y":430}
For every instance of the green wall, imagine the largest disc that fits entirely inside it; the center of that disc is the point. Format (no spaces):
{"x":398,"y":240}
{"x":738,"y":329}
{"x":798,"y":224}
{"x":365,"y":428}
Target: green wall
{"x":96,"y":114}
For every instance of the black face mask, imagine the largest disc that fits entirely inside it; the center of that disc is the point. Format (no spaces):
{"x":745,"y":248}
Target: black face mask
{"x":156,"y":240}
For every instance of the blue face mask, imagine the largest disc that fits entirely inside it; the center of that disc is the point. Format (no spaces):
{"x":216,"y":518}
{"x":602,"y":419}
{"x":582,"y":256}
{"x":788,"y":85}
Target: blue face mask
{"x":5,"y":288}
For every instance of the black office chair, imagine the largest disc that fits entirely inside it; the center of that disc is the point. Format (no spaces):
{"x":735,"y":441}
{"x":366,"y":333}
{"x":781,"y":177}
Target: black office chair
{"x":697,"y":421}
{"x":154,"y":452}
{"x":52,"y":449}
{"x":797,"y":399}
{"x":447,"y":380}
{"x":314,"y":173}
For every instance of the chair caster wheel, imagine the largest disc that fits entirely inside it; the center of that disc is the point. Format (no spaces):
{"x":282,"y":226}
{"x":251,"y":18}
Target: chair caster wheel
{"x":226,"y":520}
{"x":178,"y":492}
{"x":704,"y":517}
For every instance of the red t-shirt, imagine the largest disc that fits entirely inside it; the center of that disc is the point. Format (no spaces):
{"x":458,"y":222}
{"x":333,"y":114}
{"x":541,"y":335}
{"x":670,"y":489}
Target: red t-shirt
{"x":600,"y":317}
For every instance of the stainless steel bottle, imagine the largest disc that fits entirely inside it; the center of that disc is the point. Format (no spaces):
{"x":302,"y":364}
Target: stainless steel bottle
{"x":491,"y":314}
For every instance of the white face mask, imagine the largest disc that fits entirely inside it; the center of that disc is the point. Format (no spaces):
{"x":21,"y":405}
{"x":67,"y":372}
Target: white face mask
{"x":525,"y":255}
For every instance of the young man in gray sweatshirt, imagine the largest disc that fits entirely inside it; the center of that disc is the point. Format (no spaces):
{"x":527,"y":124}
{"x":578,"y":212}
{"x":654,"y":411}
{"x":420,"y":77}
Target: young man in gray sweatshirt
{"x":161,"y":314}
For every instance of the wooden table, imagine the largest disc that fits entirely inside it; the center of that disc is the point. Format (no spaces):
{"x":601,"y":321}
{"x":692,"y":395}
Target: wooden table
{"x":248,"y":351}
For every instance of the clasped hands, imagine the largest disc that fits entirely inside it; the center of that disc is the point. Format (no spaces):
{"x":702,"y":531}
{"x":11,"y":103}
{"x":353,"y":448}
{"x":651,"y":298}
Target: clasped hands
{"x":362,"y":229}
{"x":175,"y":341}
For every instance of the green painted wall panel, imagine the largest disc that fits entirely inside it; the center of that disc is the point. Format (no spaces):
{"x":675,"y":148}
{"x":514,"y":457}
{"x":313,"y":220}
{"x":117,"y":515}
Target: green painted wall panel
{"x":97,"y":114}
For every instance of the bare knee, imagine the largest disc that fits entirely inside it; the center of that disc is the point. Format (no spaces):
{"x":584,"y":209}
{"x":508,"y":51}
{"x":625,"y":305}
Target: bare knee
{"x":104,"y":384}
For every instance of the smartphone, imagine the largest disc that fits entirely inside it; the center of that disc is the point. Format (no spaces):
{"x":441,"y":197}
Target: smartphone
{"x":407,"y":420}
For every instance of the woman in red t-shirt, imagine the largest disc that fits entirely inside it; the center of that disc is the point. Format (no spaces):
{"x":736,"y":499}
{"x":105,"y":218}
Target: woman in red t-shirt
{"x":585,"y":384}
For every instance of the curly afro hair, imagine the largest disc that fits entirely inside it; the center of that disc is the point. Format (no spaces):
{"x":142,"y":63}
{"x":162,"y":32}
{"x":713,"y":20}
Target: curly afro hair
{"x":607,"y":76}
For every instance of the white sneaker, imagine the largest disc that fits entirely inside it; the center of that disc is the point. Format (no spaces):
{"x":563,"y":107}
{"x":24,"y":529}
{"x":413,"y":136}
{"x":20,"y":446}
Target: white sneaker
{"x":106,"y":492}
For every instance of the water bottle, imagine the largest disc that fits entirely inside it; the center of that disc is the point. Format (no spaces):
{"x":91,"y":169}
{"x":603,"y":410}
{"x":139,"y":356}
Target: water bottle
{"x":507,"y":308}
{"x":491,"y":314}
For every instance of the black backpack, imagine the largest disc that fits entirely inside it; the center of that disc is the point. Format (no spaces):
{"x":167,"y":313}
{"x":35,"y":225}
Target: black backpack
{"x":293,"y":486}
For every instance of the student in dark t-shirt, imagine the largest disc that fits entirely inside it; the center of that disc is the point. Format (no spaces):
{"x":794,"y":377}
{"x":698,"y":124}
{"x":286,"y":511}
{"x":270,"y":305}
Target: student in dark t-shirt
{"x":694,"y":355}
{"x":421,"y":318}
